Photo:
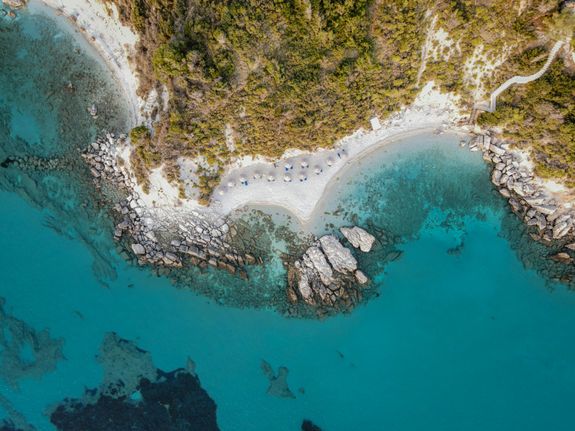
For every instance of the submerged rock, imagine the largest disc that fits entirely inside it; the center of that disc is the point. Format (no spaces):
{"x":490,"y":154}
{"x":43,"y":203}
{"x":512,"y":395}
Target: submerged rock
{"x":359,"y":238}
{"x":138,"y":397}
{"x":562,"y":257}
{"x":308,"y":425}
{"x":25,"y":352}
{"x":124,"y":364}
{"x":278,"y":383}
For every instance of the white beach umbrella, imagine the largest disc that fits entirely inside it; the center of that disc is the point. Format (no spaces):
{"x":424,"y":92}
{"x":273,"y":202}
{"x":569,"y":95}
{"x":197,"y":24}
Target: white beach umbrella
{"x":271,"y":178}
{"x":302,"y":177}
{"x":287,"y":178}
{"x":304,"y":164}
{"x":231,"y":184}
{"x":317,"y":170}
{"x":221,"y":192}
{"x":288,"y":166}
{"x":243,"y":179}
{"x":257,"y":175}
{"x":329,"y":161}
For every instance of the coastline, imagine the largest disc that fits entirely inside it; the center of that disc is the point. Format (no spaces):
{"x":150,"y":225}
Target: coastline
{"x":307,"y":218}
{"x":430,"y":112}
{"x":248,"y":182}
{"x":297,"y":182}
{"x":113,"y":42}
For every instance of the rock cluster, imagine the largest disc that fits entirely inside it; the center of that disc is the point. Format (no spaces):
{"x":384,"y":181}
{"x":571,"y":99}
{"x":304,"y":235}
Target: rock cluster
{"x":326,"y":275}
{"x":33,"y":163}
{"x":194,"y":239}
{"x":517,"y":183}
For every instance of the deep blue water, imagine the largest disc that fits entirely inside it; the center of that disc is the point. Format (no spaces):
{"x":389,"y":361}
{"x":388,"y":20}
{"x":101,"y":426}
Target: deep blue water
{"x":455,"y":340}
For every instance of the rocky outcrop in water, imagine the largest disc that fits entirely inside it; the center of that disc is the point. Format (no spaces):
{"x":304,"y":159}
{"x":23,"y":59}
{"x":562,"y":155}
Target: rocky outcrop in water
{"x":14,"y":420}
{"x":136,"y":396}
{"x":326,"y":276}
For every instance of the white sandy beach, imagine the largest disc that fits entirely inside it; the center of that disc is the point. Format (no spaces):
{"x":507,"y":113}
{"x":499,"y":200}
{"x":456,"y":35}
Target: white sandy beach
{"x":431,"y":112}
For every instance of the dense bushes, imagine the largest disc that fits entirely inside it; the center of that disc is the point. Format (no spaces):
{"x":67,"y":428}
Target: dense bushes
{"x":541,"y":116}
{"x":281,"y":74}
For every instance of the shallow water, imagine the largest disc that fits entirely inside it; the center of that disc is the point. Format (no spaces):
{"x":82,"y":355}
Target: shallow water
{"x":462,"y":336}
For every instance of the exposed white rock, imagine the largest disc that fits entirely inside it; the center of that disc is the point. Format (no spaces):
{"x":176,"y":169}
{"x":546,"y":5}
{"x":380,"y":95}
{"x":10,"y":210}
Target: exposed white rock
{"x":561,"y":229}
{"x":319,"y":262}
{"x":359,"y":238}
{"x":339,"y":257}
{"x":304,"y":287}
{"x":360,"y":277}
{"x":138,"y":249}
{"x":545,"y":209}
{"x":497,"y":150}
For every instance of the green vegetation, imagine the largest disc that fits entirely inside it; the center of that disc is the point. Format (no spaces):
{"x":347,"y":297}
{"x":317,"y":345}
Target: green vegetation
{"x":541,"y":116}
{"x":282,"y":74}
{"x":145,"y":156}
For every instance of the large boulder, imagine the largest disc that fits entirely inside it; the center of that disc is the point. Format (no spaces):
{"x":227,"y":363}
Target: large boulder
{"x":561,"y":229}
{"x":315,"y":257}
{"x":358,"y":237}
{"x":338,"y":256}
{"x":138,"y":249}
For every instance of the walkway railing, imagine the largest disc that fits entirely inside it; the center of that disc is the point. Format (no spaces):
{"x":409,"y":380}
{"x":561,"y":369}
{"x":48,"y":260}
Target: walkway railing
{"x":520,"y":80}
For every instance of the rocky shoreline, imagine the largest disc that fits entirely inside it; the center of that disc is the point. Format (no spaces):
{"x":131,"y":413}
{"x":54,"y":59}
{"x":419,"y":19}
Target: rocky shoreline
{"x":198,"y":240}
{"x":328,"y":278}
{"x":552,"y":221}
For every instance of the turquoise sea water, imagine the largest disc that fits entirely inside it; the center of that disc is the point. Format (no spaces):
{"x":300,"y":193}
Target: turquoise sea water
{"x":461,"y":336}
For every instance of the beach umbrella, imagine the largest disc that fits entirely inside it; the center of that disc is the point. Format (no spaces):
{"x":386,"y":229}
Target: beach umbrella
{"x":317,"y":170}
{"x":271,"y":178}
{"x":231,"y":184}
{"x":329,"y":161}
{"x":257,"y":175}
{"x":287,"y":178}
{"x":243,"y":179}
{"x":304,"y":164}
{"x":302,"y":177}
{"x":221,"y":192}
{"x":288,"y":166}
